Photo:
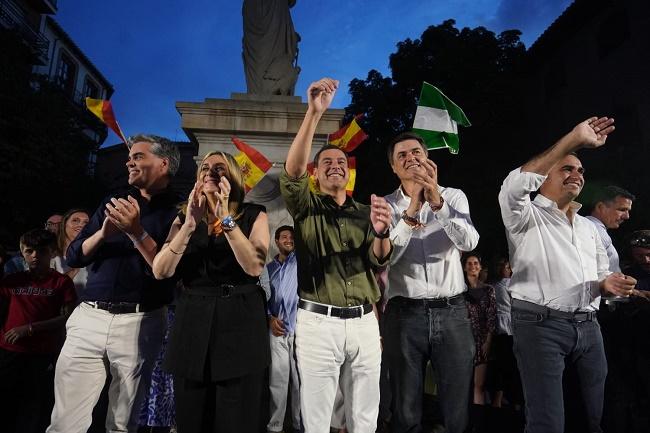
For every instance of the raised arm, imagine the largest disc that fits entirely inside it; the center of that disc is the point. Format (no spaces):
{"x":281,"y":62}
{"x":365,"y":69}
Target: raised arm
{"x":319,"y":98}
{"x":591,"y":133}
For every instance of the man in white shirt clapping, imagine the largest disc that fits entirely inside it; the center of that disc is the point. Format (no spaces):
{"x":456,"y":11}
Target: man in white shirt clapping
{"x":426,"y":317}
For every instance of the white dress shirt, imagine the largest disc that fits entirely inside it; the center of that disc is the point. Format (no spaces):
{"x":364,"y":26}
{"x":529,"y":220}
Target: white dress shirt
{"x":555,"y":263}
{"x":426,"y":261}
{"x":612,"y":254}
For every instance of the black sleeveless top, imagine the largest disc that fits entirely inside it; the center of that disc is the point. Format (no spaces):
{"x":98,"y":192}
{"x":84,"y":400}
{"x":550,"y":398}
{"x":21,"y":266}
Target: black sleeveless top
{"x":214,"y":337}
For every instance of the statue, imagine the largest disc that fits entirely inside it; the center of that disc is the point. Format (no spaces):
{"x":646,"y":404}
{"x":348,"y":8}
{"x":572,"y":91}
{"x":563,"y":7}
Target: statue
{"x":270,"y":47}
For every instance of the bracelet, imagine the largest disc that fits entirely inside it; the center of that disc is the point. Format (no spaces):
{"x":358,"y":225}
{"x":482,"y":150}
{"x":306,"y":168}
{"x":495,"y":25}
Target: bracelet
{"x":140,"y":238}
{"x":174,"y":252}
{"x":383,"y":235}
{"x":412,"y":221}
{"x":228,"y":224}
{"x":438,"y":206}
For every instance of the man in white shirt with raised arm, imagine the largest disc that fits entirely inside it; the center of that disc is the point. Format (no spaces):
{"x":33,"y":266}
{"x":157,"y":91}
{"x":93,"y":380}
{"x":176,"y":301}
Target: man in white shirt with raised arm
{"x":559,"y":267}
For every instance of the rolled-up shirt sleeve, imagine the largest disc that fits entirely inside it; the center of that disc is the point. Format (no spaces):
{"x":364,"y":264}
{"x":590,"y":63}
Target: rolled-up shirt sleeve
{"x":455,"y":220}
{"x":514,"y":197}
{"x":296,"y":193}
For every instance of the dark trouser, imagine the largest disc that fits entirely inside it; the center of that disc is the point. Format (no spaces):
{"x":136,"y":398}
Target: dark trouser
{"x":415,"y":334}
{"x":26,"y":391}
{"x":227,"y":406}
{"x":542,"y":346}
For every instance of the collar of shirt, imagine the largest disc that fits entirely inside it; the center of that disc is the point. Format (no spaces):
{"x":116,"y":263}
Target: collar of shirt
{"x":429,"y":266}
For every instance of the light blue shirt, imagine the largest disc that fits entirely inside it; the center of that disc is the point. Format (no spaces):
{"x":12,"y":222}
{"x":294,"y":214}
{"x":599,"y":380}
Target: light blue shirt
{"x":283,"y":287}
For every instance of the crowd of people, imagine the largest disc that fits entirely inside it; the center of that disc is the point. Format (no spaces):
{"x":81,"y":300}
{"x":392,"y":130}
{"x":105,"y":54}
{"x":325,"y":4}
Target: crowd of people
{"x":171,"y":302}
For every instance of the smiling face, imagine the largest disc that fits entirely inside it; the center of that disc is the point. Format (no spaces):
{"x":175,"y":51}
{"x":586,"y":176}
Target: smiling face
{"x":472,"y":266}
{"x":145,"y":168}
{"x":614,"y":213}
{"x":565,"y":180}
{"x":407,"y":159}
{"x":284,"y":242}
{"x":210,"y":172}
{"x":74,"y":224}
{"x":332,"y":171}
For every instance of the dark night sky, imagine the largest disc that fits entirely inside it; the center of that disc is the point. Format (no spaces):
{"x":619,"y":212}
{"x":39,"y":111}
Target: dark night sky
{"x":158,"y":52}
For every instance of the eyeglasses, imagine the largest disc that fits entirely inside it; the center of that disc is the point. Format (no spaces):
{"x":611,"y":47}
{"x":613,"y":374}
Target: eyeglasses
{"x":640,"y":241}
{"x":50,"y":224}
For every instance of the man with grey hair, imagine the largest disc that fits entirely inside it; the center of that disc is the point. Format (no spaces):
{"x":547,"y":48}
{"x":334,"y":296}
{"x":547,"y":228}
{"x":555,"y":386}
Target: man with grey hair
{"x":118,"y":326}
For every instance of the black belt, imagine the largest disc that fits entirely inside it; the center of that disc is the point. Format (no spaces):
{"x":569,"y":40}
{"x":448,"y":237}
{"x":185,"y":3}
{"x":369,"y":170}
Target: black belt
{"x":122,"y":307}
{"x":340,"y":312}
{"x":429,"y":302}
{"x":576,"y":316}
{"x":224,"y":290}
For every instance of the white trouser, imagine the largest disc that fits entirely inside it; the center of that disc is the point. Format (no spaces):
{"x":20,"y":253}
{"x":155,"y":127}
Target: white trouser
{"x":283,"y":373}
{"x":97,"y":341}
{"x":327,"y":347}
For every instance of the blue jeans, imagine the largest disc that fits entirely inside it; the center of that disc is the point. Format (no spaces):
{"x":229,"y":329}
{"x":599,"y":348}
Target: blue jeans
{"x":542,"y":346}
{"x":415,"y":334}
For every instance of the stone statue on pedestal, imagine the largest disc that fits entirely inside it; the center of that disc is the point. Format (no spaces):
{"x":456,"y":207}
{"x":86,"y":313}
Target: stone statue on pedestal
{"x":270,"y":47}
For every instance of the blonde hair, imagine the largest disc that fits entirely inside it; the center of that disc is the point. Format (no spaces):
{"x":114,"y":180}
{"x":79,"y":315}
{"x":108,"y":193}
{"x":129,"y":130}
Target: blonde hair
{"x":237,"y":186}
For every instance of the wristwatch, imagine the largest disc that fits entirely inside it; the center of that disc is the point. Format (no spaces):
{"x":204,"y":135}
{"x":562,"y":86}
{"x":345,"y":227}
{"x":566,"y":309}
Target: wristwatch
{"x":228,"y":224}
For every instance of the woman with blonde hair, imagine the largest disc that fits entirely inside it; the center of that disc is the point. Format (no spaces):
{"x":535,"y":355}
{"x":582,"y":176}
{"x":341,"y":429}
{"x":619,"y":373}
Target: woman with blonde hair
{"x":219,"y":347}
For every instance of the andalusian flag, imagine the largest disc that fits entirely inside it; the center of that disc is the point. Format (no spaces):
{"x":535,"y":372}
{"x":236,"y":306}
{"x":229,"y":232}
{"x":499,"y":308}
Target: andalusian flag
{"x":437,"y":119}
{"x":104,"y":111}
{"x":348,"y":137}
{"x":349,"y":187}
{"x":253,"y":164}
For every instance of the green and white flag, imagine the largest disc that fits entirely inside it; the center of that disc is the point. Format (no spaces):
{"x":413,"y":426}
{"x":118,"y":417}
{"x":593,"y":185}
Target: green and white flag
{"x":437,"y":119}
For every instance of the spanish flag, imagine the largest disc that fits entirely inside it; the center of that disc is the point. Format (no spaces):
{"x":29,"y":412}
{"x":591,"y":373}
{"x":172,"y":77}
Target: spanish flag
{"x":348,"y":137}
{"x":104,"y":111}
{"x":253,"y":164}
{"x":349,"y":187}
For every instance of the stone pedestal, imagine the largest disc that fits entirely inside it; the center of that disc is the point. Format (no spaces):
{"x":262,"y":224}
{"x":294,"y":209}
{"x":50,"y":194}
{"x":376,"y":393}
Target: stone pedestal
{"x":267,"y":122}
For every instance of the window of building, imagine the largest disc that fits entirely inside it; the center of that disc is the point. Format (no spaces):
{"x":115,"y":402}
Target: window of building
{"x":66,"y":73}
{"x":91,"y":90}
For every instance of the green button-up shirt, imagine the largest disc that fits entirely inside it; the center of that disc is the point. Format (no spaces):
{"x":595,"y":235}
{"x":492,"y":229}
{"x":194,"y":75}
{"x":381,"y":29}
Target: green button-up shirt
{"x":333,"y":246}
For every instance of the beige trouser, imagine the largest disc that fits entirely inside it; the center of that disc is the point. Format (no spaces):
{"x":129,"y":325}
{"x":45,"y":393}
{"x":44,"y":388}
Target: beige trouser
{"x":98,"y":342}
{"x":329,"y":349}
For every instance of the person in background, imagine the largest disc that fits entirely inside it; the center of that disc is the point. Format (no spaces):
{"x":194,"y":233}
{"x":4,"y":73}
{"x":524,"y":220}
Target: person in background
{"x":282,"y":308}
{"x":73,"y":221}
{"x":17,"y":263}
{"x":483,"y":314}
{"x":38,"y":302}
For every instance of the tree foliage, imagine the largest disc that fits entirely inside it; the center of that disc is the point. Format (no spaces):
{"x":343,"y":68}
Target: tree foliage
{"x":479,"y":71}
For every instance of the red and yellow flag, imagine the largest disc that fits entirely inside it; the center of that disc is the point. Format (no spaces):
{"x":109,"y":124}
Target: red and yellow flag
{"x":348,"y":137}
{"x":253,"y":164}
{"x":104,"y":111}
{"x":349,"y":187}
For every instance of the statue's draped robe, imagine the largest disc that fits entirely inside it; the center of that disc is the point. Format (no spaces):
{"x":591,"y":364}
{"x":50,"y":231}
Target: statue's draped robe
{"x":270,"y":47}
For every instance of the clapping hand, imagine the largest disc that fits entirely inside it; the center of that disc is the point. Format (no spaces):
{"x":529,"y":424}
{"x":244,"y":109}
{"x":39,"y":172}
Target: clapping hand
{"x":380,"y":215}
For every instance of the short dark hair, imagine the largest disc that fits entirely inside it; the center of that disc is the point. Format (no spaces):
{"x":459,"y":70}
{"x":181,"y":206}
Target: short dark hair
{"x":609,"y":193}
{"x":327,"y":147}
{"x":469,"y":254}
{"x":38,"y":238}
{"x":281,"y":229}
{"x":408,"y":135}
{"x":162,"y":148}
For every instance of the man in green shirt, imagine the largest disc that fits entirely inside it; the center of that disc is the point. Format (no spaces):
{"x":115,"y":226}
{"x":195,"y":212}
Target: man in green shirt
{"x":338,"y":242}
